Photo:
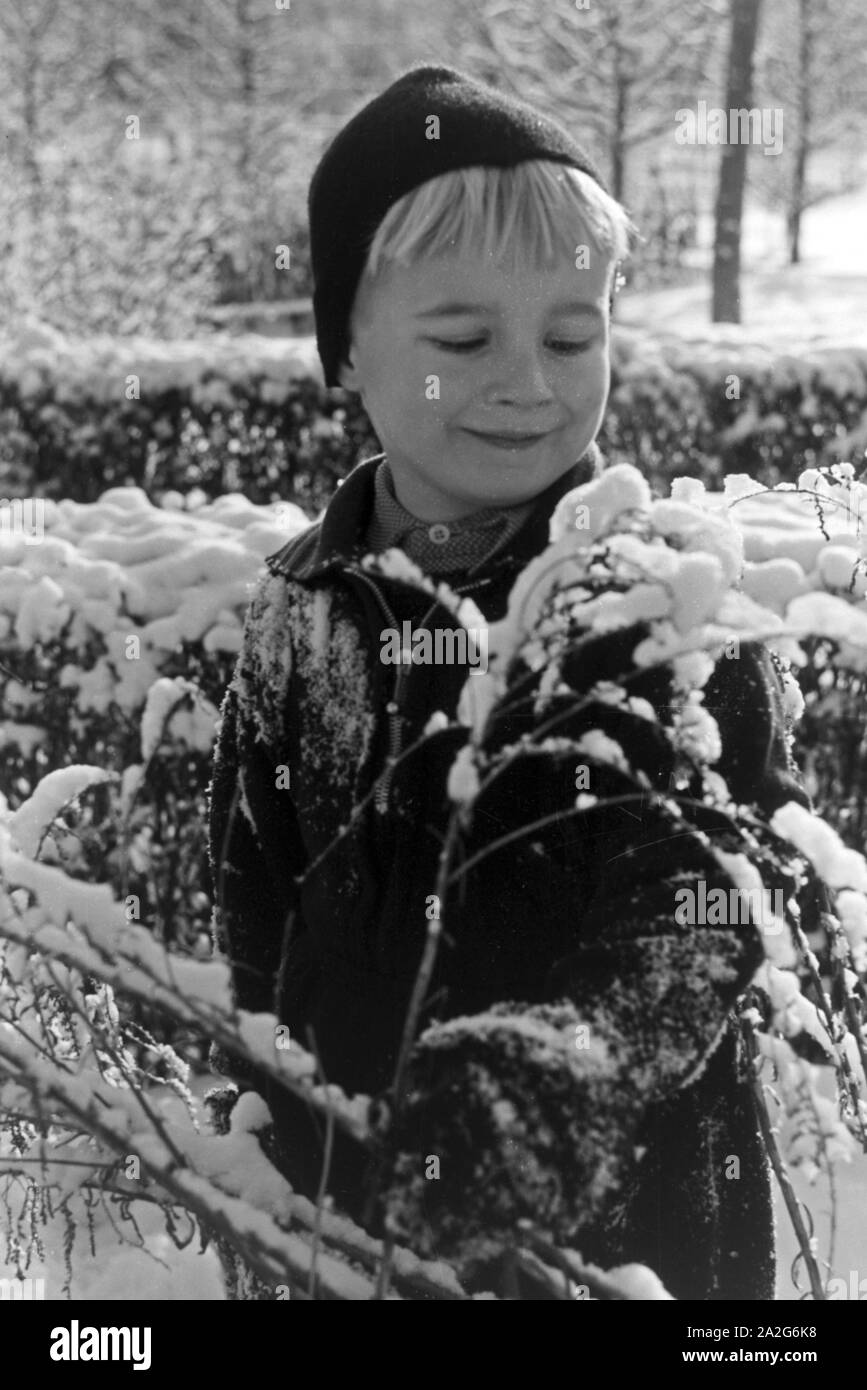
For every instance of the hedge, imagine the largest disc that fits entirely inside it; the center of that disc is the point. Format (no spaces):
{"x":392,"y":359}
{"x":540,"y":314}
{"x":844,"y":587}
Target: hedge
{"x":251,"y":415}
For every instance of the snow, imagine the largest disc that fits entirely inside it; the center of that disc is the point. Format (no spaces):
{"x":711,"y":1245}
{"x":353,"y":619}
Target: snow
{"x":621,"y":488}
{"x":692,"y":669}
{"x":395,"y":564}
{"x":692,"y":491}
{"x":120,"y":566}
{"x":42,"y":613}
{"x":287,"y":621}
{"x":793,"y":699}
{"x":152,"y":1269}
{"x":774,"y":583}
{"x":748,"y":562}
{"x":842,"y":567}
{"x":27,"y":737}
{"x":775,"y":934}
{"x":697,"y":590}
{"x":55,"y":790}
{"x":838,"y":865}
{"x":823,"y":615}
{"x":250,"y":1114}
{"x":463,"y":779}
{"x":93,"y":366}
{"x":639,"y":1282}
{"x":696,"y":732}
{"x":196,"y":726}
{"x":599,"y":748}
{"x":477,"y":698}
{"x":737,"y":485}
{"x":164,"y":549}
{"x":121,"y":569}
{"x":851,"y":908}
{"x":820,"y":302}
{"x":435,"y":725}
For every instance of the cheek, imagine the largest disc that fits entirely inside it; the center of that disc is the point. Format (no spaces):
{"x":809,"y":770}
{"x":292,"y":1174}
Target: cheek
{"x":432,"y":390}
{"x":412,"y":394}
{"x":391,"y":385}
{"x":594,"y":381}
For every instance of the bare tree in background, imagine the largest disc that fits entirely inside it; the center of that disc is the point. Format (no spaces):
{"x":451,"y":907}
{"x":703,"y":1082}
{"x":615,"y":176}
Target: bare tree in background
{"x":806,"y":37}
{"x":613,"y":69}
{"x":726,"y":303}
{"x":28,"y":52}
{"x":814,"y":64}
{"x":235,"y":99}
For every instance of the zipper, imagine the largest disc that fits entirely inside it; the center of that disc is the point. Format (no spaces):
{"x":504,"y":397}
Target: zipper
{"x":392,"y":709}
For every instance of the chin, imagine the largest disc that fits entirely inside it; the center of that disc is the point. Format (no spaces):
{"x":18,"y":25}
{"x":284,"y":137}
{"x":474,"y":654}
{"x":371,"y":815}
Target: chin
{"x":522,"y":484}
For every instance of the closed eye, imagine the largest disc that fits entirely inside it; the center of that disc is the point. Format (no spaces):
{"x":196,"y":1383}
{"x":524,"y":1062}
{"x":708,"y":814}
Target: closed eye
{"x":570,"y":349}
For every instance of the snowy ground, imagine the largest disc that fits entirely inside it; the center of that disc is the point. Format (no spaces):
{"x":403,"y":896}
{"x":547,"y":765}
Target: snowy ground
{"x":822,"y":299}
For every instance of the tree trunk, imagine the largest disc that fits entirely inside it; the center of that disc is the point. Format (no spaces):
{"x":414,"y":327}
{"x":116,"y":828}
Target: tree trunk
{"x":620,"y":85}
{"x":618,"y":140}
{"x":733,"y":166}
{"x":32,"y":133}
{"x":246,"y":59}
{"x":797,"y":196}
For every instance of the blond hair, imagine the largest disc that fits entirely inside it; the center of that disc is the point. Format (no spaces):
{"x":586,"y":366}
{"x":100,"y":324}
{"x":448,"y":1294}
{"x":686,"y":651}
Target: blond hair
{"x":538,"y":209}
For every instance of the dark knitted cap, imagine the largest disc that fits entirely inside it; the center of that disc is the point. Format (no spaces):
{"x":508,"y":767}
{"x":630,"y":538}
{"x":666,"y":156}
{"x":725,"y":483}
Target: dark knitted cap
{"x":383,"y":153}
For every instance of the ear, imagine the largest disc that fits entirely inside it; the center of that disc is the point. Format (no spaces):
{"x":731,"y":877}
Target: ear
{"x":347,"y":372}
{"x":618,"y":280}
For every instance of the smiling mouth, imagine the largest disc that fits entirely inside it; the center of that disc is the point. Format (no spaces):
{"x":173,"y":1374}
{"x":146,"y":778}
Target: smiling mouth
{"x":515,"y":441}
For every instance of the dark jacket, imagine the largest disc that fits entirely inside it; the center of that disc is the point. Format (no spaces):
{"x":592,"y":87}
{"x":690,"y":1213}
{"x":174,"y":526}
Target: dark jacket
{"x":583,"y":910}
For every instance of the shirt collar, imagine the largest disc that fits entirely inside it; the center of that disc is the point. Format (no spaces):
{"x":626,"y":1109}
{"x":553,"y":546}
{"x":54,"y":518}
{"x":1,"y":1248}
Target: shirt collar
{"x":337,"y":539}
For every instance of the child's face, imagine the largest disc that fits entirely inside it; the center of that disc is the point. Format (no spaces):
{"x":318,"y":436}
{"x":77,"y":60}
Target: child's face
{"x":527,"y":354}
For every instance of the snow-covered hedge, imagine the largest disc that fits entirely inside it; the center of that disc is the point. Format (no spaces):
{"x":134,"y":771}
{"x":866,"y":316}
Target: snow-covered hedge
{"x":121,"y":608}
{"x":119,"y":626}
{"x":251,"y":414}
{"x":114,"y":589}
{"x":712,"y":408}
{"x":223,"y":414}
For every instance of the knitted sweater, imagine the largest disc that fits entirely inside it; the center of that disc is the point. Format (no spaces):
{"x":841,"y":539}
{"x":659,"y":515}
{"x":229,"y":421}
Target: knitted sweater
{"x":584,"y":919}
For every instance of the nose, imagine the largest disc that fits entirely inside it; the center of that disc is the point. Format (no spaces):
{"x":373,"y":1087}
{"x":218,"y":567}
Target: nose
{"x":519,"y":377}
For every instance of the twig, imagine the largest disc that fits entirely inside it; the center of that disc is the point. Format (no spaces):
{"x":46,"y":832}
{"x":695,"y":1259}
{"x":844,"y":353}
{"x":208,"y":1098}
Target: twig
{"x":420,"y":988}
{"x":326,"y":1170}
{"x":793,"y":1206}
{"x":566,"y":814}
{"x":428,"y":961}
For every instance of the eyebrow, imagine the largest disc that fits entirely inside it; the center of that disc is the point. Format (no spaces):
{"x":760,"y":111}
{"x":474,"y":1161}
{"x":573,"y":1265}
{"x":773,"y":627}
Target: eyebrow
{"x":454,"y":307}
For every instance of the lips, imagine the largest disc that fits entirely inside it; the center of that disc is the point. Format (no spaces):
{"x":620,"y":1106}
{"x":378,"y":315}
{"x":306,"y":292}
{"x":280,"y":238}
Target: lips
{"x":509,"y":438}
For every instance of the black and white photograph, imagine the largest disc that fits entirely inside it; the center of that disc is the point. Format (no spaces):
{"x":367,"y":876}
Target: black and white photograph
{"x":433,"y":666}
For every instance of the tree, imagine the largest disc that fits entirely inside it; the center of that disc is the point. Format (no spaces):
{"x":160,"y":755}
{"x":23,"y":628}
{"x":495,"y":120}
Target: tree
{"x":806,"y":37}
{"x":28,"y":51}
{"x":726,"y":306}
{"x":610,"y":70}
{"x":814,"y":63}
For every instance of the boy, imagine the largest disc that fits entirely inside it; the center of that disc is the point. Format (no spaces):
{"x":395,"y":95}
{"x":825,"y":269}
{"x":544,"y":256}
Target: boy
{"x":464,"y":253}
